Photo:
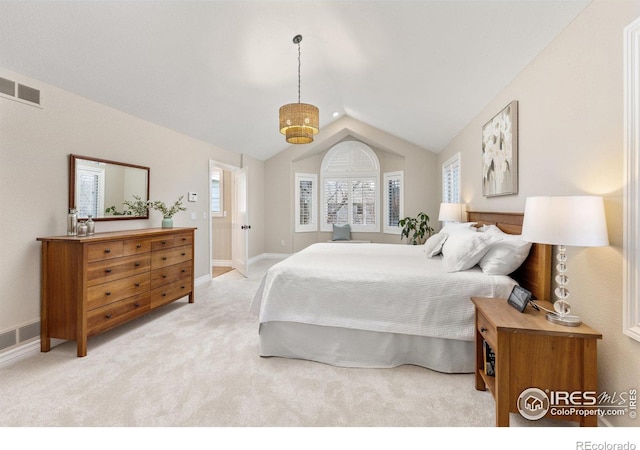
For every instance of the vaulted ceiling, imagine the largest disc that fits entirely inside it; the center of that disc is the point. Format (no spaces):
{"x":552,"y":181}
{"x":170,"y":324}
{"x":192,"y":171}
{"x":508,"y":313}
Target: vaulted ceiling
{"x":219,"y":70}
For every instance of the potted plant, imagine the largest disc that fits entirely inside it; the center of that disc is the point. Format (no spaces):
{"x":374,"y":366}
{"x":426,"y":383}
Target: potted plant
{"x":415,"y":229}
{"x":137,"y":207}
{"x":168,"y":212}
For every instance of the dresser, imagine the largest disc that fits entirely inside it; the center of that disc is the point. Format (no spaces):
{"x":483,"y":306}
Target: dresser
{"x":92,"y":284}
{"x":533,"y":355}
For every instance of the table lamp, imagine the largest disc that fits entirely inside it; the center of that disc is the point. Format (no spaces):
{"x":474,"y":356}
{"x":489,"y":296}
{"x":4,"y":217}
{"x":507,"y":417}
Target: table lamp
{"x":451,"y":212}
{"x":565,"y":221}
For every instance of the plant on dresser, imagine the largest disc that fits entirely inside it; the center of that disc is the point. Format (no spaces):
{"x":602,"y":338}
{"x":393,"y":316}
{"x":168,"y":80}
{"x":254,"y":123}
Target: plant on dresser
{"x":92,"y":284}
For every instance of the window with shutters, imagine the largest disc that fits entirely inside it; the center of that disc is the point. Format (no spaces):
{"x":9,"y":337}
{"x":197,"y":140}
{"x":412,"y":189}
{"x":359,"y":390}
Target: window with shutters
{"x":451,"y":180}
{"x":393,"y":201}
{"x":350,"y":192}
{"x":306,"y":195}
{"x":217,"y":204}
{"x":90,"y":190}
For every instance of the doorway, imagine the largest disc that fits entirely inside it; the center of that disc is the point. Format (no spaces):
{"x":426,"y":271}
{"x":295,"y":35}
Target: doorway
{"x":228,"y":218}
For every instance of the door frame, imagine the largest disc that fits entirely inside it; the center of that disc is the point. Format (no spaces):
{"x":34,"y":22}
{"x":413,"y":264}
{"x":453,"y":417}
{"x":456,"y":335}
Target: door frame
{"x":231,"y":168}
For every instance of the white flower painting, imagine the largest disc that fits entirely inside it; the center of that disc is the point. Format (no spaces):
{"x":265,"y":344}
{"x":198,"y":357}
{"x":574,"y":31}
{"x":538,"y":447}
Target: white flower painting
{"x":500,"y":153}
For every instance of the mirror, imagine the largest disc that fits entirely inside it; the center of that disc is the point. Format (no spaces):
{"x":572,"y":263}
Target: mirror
{"x":100,"y":187}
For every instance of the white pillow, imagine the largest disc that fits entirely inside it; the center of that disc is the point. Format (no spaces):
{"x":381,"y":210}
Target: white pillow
{"x":459,"y":227}
{"x":505,"y":256}
{"x":490,"y":229}
{"x":462,"y":251}
{"x":433,"y":246}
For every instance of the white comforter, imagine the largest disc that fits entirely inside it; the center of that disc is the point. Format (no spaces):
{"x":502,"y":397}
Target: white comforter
{"x":375,"y":287}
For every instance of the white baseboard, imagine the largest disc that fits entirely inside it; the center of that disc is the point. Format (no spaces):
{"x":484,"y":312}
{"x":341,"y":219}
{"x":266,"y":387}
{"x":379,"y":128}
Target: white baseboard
{"x":221,"y":263}
{"x":205,"y":279}
{"x":269,"y":256}
{"x":20,"y":351}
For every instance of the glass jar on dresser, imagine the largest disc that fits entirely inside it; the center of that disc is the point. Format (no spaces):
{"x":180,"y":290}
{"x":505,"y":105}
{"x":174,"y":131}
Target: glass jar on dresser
{"x":94,"y":283}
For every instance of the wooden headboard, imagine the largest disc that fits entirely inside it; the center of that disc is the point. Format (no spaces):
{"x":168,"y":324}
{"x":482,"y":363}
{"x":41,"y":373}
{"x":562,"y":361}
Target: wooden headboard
{"x":535,"y":273}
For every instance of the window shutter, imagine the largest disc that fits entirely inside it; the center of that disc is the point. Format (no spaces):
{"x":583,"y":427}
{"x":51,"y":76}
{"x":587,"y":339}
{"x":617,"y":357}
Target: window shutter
{"x":306,"y":209}
{"x":393,"y":201}
{"x":451,"y":180}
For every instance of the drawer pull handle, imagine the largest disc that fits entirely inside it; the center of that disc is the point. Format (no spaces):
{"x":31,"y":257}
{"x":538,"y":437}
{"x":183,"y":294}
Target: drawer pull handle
{"x":483,"y":330}
{"x":137,"y":264}
{"x":107,"y":316}
{"x":107,"y":293}
{"x":164,"y":276}
{"x":137,"y":284}
{"x":137,"y":305}
{"x":164,"y":294}
{"x":181,"y":287}
{"x":184,"y":239}
{"x":107,"y":270}
{"x":107,"y":250}
{"x":183,"y":253}
{"x":164,"y":242}
{"x":164,"y":258}
{"x":139,"y":246}
{"x":184,"y":270}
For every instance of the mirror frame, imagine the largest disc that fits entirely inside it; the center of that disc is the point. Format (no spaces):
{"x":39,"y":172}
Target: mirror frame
{"x":72,"y":184}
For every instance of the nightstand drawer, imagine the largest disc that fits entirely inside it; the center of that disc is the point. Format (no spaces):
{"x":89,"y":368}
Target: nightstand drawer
{"x":487,"y":331}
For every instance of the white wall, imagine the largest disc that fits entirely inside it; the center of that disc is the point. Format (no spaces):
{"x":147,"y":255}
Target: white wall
{"x":571,"y":143}
{"x":34,"y":148}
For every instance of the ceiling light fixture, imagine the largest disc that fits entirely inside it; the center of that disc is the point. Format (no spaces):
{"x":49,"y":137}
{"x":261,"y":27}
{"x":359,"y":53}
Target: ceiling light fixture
{"x":299,"y":121}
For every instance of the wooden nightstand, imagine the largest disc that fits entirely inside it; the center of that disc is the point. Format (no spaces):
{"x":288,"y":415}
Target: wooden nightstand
{"x":531,"y":352}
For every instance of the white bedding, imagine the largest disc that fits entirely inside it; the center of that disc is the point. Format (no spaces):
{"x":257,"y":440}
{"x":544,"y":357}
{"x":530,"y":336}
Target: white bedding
{"x":375,"y":287}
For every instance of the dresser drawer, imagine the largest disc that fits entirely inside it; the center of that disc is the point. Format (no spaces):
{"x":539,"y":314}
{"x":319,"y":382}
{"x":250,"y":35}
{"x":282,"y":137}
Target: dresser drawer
{"x":105,"y":250}
{"x":164,"y":258}
{"x":183,"y":239}
{"x":107,"y":270}
{"x":160,"y":277}
{"x":113,"y":291}
{"x":487,"y":331}
{"x":113,"y":314}
{"x":170,"y":292}
{"x":137,"y":246}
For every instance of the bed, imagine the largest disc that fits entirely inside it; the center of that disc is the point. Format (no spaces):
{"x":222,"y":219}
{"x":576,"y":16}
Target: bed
{"x":384,"y":305}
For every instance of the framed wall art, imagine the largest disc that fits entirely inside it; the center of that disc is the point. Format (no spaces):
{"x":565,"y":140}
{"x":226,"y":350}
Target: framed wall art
{"x":500,"y":153}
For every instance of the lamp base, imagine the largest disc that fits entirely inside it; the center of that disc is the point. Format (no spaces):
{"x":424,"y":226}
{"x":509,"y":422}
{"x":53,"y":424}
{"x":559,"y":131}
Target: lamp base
{"x":567,"y":321}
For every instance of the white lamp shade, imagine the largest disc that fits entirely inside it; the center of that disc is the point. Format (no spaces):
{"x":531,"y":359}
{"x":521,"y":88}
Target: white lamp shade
{"x":574,"y":221}
{"x":450,"y":212}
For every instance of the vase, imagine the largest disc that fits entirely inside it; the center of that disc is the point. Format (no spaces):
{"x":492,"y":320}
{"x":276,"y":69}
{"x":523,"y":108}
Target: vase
{"x":167,"y":222}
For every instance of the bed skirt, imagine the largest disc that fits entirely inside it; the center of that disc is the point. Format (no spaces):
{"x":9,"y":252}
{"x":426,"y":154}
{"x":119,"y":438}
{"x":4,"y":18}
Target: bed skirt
{"x":344,"y":347}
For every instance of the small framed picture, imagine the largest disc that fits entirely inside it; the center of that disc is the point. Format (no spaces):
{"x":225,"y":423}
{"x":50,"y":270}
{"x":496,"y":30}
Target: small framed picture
{"x":500,"y":153}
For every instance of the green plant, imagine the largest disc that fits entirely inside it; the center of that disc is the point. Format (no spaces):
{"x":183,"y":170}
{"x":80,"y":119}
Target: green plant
{"x":415,"y":229}
{"x":168,"y":212}
{"x":137,"y":207}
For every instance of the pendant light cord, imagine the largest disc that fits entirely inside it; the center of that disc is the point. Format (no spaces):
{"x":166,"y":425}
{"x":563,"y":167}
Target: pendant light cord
{"x":298,"y":72}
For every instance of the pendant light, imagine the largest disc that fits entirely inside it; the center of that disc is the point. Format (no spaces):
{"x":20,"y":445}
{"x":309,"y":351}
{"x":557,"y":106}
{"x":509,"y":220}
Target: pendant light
{"x":299,"y":121}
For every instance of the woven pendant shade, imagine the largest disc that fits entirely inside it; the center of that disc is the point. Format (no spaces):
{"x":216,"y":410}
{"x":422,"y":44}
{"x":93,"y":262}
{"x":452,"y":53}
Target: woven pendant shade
{"x":299,"y":122}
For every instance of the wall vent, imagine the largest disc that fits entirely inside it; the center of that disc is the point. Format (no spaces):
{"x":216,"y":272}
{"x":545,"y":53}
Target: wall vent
{"x":7,"y":87}
{"x":8,"y":339}
{"x":29,"y":332}
{"x":19,"y":335}
{"x":21,"y":92}
{"x":28,"y":94}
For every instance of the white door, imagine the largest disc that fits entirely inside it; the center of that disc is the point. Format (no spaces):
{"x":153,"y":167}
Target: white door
{"x":240,"y":223}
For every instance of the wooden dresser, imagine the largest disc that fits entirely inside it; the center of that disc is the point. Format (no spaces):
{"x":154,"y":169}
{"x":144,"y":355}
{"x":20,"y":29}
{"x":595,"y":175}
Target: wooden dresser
{"x":94,"y":283}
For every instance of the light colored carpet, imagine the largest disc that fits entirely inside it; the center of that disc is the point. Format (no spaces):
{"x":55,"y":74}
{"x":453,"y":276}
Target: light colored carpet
{"x":198,"y":365}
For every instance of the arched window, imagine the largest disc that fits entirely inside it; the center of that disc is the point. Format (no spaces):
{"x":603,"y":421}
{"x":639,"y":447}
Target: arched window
{"x":350,"y":181}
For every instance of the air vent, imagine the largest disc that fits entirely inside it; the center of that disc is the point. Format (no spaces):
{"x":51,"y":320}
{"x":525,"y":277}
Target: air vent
{"x":20,"y":92}
{"x":7,"y":87}
{"x":28,"y":332}
{"x":8,"y":339}
{"x":28,"y":94}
